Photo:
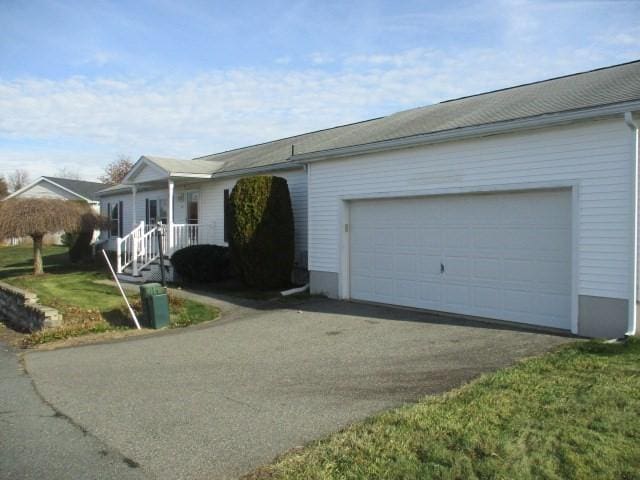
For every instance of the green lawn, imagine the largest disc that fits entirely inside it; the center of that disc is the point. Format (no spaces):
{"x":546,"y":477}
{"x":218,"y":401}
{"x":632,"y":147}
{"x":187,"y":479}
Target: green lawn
{"x":86,"y":305}
{"x":572,"y":414}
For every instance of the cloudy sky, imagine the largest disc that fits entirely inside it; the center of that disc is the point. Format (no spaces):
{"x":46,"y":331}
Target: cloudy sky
{"x":83,"y":82}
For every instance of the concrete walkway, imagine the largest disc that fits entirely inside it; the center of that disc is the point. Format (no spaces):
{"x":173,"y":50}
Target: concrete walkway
{"x":218,"y":400}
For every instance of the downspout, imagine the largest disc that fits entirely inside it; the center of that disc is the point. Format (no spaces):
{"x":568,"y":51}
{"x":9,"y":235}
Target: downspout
{"x":631,"y":323}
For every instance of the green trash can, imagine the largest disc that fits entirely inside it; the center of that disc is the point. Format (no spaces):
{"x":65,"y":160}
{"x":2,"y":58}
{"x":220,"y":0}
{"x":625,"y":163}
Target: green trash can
{"x":155,"y":305}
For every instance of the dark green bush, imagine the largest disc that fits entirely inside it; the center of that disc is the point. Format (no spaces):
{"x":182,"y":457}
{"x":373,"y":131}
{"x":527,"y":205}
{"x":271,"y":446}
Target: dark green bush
{"x":80,"y":250}
{"x":262,"y":231}
{"x":202,"y":263}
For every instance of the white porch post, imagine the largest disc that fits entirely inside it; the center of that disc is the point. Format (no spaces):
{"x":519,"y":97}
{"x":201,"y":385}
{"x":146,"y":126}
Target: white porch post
{"x":134,"y":190}
{"x":134,"y":240}
{"x":170,"y":215}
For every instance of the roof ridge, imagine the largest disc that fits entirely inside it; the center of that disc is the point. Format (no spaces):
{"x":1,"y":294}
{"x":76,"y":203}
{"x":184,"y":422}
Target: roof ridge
{"x":71,"y":180}
{"x":535,"y":83}
{"x":287,"y":138}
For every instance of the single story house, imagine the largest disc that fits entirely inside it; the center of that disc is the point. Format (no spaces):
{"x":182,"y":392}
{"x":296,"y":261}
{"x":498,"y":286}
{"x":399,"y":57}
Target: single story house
{"x":519,"y":204}
{"x":61,"y":189}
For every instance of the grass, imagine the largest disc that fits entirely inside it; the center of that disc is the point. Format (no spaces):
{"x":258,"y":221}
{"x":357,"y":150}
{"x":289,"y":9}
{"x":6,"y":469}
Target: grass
{"x":86,"y":305}
{"x":572,"y":414}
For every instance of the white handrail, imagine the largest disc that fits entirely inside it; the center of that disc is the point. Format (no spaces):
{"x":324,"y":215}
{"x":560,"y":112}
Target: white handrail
{"x":125,"y":248}
{"x":140,"y":247}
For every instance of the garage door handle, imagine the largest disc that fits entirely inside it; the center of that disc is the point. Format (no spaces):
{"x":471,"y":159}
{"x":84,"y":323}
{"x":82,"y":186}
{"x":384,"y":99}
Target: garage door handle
{"x":442,"y":268}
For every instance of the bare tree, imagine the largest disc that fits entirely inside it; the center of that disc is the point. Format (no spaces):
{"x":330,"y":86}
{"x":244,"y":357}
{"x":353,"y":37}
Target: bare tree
{"x":36,"y":216}
{"x":116,"y":170}
{"x":4,"y":188}
{"x":18,"y":179}
{"x":65,"y":172}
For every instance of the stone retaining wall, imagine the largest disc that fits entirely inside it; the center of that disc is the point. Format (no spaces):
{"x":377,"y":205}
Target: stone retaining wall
{"x":20,"y":310}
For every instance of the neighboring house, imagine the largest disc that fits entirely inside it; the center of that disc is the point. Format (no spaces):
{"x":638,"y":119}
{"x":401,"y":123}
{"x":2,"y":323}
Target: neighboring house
{"x":518,"y":205}
{"x":59,"y":188}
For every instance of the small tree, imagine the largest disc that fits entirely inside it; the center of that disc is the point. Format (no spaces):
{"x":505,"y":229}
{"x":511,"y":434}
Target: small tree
{"x":18,"y":179}
{"x":68,"y":173}
{"x":4,"y":189}
{"x":34,"y":217}
{"x":116,"y":170}
{"x":262,"y":231}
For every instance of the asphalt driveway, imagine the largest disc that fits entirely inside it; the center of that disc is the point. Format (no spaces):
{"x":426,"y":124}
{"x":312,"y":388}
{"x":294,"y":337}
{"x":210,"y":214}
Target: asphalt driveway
{"x":217,"y":402}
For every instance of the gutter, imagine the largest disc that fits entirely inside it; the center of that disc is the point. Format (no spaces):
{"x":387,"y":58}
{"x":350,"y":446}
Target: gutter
{"x":287,"y":165}
{"x":631,"y":326}
{"x":469,"y":132}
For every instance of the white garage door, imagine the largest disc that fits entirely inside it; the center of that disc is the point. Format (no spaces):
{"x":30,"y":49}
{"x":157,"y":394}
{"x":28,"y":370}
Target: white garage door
{"x":504,"y":256}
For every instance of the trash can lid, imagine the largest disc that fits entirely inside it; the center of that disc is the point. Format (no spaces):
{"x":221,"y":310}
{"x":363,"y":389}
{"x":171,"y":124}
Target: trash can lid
{"x":149,"y":289}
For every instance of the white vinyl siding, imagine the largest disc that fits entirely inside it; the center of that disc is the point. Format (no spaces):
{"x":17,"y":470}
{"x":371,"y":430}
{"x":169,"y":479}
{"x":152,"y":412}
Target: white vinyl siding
{"x":212,"y":205}
{"x":595,"y":155}
{"x":44,"y":189}
{"x":149,"y":173}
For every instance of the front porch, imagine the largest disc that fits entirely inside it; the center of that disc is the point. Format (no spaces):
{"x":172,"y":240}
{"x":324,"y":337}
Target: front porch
{"x":158,"y":213}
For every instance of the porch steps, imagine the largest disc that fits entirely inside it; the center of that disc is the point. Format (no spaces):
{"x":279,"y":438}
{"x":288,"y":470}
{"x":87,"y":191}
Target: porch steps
{"x":150,"y":273}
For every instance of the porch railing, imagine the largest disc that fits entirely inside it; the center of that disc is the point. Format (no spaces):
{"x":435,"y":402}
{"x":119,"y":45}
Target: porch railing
{"x":139,"y":248}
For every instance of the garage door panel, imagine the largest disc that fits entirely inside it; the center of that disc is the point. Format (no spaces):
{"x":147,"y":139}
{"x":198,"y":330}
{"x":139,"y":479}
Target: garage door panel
{"x":506,"y":256}
{"x":362,"y":240}
{"x":430,"y":266}
{"x":457,"y":295}
{"x":457,"y":237}
{"x":485,"y":239}
{"x":488,"y":298}
{"x":383,"y":264}
{"x":487,"y":268}
{"x":383,"y":240}
{"x":430,"y":294}
{"x":406,"y":241}
{"x":456,"y":267}
{"x":407,"y":290}
{"x":429,"y":239}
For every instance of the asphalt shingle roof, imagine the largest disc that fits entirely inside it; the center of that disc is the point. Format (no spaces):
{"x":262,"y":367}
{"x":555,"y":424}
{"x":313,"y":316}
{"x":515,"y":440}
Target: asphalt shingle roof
{"x":81,"y":187}
{"x":605,"y":86}
{"x":610,"y":85}
{"x":176,"y":165}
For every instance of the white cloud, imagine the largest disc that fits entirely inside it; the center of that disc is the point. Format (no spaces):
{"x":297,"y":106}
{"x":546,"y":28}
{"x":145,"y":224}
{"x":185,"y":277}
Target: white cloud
{"x":100,"y":118}
{"x":319,"y":58}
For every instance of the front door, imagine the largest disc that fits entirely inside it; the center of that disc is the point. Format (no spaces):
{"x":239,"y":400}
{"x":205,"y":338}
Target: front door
{"x":192,"y":216}
{"x":192,"y":208}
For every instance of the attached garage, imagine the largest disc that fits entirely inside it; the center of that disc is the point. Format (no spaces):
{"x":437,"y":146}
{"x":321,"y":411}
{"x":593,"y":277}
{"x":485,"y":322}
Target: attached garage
{"x":504,"y":256}
{"x":519,"y":205}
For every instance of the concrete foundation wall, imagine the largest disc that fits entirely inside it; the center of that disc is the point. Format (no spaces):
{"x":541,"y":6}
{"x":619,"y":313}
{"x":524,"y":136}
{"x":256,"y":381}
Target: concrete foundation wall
{"x":602,"y":317}
{"x":324,"y":283}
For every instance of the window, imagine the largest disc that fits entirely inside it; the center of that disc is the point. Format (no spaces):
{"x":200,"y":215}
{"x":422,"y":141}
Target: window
{"x":115,"y":219}
{"x":227,"y":215}
{"x":152,"y":212}
{"x":192,"y":208}
{"x":156,"y":211}
{"x":162,"y":210}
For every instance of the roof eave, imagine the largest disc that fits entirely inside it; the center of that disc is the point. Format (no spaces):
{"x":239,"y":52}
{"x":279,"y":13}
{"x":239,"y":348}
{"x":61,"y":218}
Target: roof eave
{"x":285,"y":165}
{"x":469,"y":132}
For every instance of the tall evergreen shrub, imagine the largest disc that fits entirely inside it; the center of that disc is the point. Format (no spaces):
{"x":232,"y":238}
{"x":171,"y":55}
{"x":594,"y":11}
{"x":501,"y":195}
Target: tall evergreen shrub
{"x":262,"y":231}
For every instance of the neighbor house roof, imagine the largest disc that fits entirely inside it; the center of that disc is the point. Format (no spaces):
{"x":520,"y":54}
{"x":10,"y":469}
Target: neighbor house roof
{"x":80,"y":188}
